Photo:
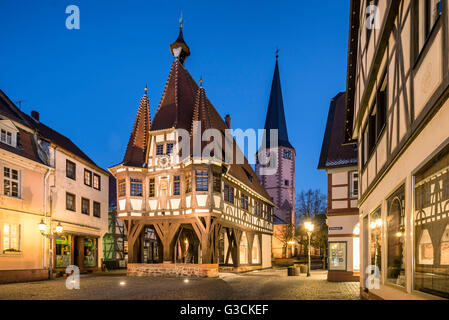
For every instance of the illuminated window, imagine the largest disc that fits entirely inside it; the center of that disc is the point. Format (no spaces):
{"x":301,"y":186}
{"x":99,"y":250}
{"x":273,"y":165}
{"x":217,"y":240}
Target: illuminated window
{"x":11,"y":185}
{"x":11,"y":238}
{"x":97,"y":182}
{"x":87,"y":178}
{"x":122,"y":188}
{"x":152,"y":188}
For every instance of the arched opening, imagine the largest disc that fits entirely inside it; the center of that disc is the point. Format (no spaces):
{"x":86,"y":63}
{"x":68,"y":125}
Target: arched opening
{"x":186,"y":245}
{"x":243,"y":248}
{"x":425,"y":248}
{"x":256,"y":250}
{"x":152,"y":246}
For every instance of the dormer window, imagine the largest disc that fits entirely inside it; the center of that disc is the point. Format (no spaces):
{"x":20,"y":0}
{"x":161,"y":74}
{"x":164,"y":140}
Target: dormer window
{"x":6,"y":137}
{"x":8,"y":133}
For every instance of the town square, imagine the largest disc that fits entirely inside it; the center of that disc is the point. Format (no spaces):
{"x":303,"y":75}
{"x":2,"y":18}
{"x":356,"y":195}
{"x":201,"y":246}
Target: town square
{"x":243,"y":151}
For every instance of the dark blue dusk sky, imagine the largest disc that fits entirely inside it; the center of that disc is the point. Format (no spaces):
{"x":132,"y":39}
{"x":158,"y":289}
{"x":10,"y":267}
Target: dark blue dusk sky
{"x":87,"y":83}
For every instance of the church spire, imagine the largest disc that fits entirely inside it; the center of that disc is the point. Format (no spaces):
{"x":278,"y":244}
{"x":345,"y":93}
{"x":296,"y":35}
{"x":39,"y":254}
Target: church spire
{"x":138,"y":141}
{"x":275,"y":114}
{"x":179,"y":49}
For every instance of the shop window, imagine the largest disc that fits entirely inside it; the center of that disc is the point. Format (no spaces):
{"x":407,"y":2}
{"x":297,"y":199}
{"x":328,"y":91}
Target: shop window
{"x":70,"y":169}
{"x":63,"y":251}
{"x":11,"y":185}
{"x":90,"y":252}
{"x":431,"y":271}
{"x":425,"y":248}
{"x":122,"y":187}
{"x":152,"y":188}
{"x":11,"y":238}
{"x":337,"y":256}
{"x":136,"y":187}
{"x":202,"y":177}
{"x":444,"y":251}
{"x":396,"y":238}
{"x":376,"y":239}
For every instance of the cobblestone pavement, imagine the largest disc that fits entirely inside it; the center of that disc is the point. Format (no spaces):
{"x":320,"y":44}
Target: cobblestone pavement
{"x":270,"y":284}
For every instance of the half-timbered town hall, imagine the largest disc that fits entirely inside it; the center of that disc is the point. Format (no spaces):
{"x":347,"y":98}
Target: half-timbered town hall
{"x":191,"y":213}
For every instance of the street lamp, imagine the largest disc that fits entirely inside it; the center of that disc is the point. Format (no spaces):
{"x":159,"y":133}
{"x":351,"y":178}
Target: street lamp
{"x":52,"y":236}
{"x":308,"y":225}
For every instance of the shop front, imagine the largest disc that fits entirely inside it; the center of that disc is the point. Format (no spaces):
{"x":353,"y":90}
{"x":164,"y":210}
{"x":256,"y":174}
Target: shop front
{"x":75,"y":249}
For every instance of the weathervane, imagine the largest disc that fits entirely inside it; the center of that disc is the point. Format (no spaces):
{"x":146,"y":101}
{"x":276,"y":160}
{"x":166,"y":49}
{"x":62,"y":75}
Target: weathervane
{"x":277,"y":52}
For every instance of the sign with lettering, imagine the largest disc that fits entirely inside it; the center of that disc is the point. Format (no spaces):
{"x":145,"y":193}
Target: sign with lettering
{"x":335,"y":228}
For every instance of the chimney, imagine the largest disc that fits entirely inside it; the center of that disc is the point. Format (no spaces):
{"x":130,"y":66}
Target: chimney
{"x":228,"y":121}
{"x":35,"y":115}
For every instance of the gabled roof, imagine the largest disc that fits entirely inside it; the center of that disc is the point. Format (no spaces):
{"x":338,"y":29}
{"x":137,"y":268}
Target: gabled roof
{"x":275,"y":115}
{"x":138,"y":141}
{"x":9,"y":110}
{"x":333,"y":152}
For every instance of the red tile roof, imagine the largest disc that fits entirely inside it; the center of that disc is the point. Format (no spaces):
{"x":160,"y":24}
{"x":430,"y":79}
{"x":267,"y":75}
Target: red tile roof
{"x":138,"y":141}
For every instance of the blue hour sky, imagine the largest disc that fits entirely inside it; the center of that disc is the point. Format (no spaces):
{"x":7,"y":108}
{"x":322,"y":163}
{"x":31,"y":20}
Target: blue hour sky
{"x":87,"y":83}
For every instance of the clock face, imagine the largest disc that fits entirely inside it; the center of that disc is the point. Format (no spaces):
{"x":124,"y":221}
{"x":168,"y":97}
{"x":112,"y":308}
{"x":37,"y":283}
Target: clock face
{"x":164,"y":162}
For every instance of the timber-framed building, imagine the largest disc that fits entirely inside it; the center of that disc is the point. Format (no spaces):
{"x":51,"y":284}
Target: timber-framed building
{"x":188,"y":210}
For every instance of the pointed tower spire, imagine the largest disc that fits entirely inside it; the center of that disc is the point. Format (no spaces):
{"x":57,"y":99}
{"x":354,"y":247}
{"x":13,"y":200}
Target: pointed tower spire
{"x":275,"y":114}
{"x":179,"y":49}
{"x":138,"y":141}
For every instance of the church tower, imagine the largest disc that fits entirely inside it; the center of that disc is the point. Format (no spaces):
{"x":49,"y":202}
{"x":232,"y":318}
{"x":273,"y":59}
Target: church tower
{"x":280,"y":185}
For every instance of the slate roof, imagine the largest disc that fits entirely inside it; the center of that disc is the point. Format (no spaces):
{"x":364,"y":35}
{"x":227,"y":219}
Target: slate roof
{"x":275,"y":115}
{"x":333,"y":152}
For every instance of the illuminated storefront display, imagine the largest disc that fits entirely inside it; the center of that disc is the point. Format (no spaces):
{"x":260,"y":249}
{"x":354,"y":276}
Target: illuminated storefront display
{"x":90,"y":252}
{"x":63,"y":251}
{"x":431,"y":274}
{"x":337,"y":256}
